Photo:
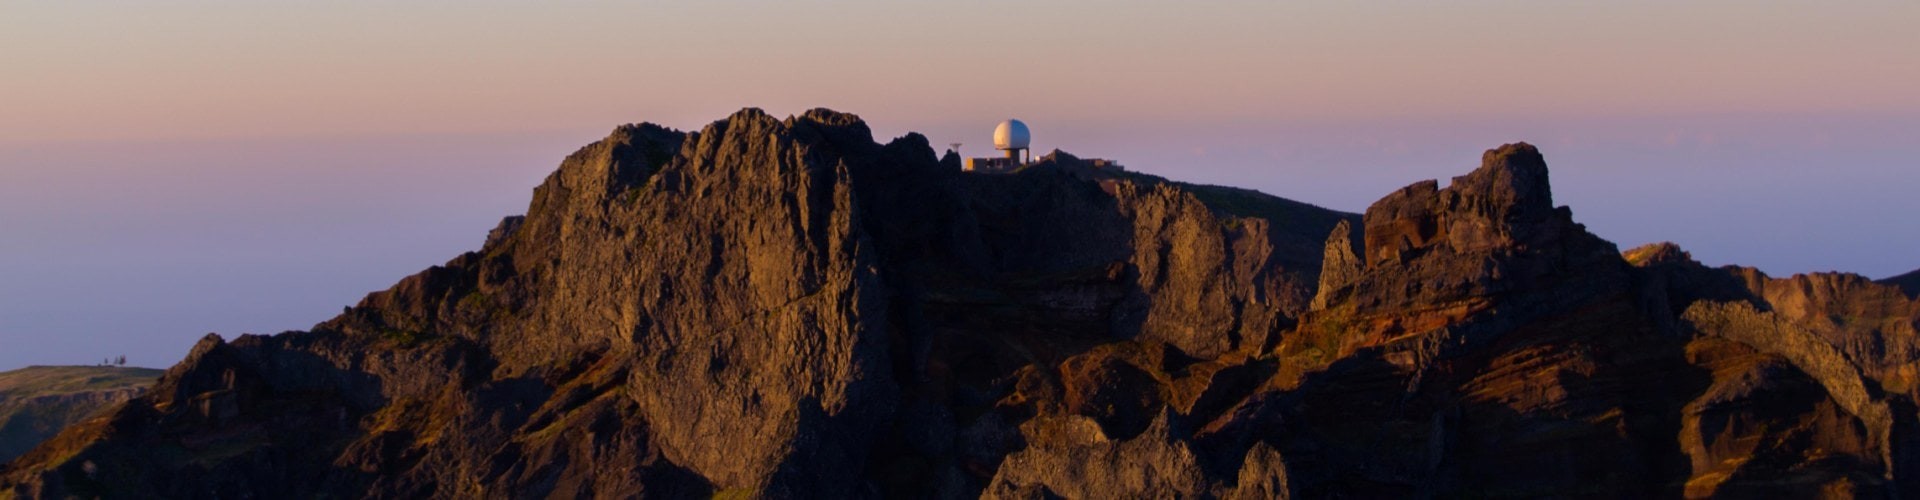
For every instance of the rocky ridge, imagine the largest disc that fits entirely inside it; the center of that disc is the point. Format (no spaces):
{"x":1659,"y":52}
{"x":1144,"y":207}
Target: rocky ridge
{"x":785,"y":308}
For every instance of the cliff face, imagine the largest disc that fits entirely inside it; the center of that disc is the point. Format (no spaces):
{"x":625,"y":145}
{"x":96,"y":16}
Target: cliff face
{"x":785,"y":308}
{"x":37,"y":401}
{"x":1875,"y":326}
{"x":773,"y":306}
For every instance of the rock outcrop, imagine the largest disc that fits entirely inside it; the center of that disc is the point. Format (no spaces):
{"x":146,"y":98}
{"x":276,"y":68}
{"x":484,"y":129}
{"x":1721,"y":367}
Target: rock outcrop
{"x":784,"y":308}
{"x":1485,"y":343}
{"x":766,"y":306}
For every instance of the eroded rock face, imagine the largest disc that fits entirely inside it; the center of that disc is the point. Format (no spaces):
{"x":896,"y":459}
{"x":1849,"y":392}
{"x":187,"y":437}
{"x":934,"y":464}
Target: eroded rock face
{"x":1437,"y":257}
{"x":1486,"y":343}
{"x":784,"y":308}
{"x":1877,"y":327}
{"x":771,"y":306}
{"x":1160,"y":467}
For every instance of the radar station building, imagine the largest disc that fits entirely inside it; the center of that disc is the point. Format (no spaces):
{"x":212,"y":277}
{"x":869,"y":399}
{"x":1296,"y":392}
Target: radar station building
{"x":1012,"y":139}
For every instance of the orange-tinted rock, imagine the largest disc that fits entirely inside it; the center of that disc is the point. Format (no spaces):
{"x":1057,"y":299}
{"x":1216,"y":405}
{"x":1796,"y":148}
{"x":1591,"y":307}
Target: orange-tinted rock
{"x":765,"y":305}
{"x":1763,"y":428}
{"x":784,"y":308}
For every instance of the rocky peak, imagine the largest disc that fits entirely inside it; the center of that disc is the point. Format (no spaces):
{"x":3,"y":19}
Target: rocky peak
{"x":1338,"y":264}
{"x":1482,"y":297}
{"x":1653,"y":254}
{"x":777,"y":306}
{"x":1505,"y":203}
{"x":832,"y":119}
{"x":1491,"y":231}
{"x":1510,"y":185}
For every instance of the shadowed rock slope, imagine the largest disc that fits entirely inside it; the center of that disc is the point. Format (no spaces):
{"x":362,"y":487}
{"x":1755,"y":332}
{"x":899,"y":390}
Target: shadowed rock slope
{"x":784,"y":308}
{"x":1909,"y":282}
{"x":37,"y":401}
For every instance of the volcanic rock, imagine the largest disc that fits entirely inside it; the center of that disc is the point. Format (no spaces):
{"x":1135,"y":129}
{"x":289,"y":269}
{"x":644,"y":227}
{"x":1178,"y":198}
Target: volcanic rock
{"x":784,"y":308}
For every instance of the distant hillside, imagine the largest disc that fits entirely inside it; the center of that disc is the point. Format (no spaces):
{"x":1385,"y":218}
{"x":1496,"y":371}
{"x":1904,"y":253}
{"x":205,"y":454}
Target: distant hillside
{"x":37,"y":401}
{"x":1909,"y":283}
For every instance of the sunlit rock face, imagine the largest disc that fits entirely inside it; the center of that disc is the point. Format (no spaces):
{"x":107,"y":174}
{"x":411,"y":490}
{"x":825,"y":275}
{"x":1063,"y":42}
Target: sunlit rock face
{"x":783,"y":307}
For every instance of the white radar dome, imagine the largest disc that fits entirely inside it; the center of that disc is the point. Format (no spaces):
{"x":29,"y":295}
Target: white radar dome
{"x":1011,"y":134}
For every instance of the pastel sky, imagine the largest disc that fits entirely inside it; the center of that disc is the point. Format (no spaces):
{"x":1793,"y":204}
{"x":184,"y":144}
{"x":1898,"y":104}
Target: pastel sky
{"x":169,"y":169}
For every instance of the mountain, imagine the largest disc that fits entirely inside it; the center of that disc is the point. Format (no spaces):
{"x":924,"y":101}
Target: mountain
{"x":37,"y":401}
{"x":784,"y":308}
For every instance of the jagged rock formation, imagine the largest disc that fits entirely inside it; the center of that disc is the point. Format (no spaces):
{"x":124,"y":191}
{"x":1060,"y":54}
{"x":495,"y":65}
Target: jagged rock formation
{"x":37,"y":401}
{"x":1874,"y":326}
{"x":784,"y":308}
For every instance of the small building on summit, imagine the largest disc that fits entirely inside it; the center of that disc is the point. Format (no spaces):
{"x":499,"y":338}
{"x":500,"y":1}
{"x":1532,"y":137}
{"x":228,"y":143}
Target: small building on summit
{"x":1012,"y":139}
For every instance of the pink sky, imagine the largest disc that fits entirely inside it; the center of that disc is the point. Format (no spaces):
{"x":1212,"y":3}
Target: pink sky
{"x":172,"y":169}
{"x":145,"y":70}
